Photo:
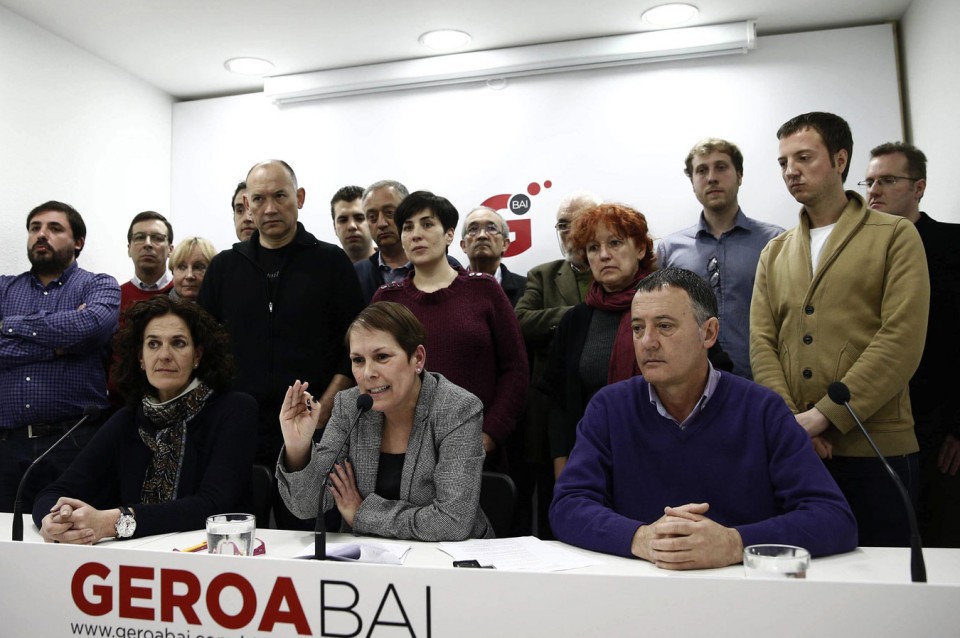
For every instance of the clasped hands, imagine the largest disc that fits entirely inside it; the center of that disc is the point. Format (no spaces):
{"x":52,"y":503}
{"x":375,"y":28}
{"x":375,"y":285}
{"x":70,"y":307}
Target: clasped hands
{"x":72,"y":521}
{"x":683,"y":538}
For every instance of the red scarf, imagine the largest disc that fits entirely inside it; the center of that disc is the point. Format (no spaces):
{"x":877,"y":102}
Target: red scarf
{"x":623,"y":359}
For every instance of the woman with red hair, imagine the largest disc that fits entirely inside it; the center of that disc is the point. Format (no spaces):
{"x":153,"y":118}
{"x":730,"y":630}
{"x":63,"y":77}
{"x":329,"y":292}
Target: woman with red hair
{"x":593,"y":345}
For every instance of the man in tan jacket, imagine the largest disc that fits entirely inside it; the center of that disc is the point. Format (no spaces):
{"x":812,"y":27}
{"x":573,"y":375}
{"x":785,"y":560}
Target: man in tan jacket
{"x":843,"y":296}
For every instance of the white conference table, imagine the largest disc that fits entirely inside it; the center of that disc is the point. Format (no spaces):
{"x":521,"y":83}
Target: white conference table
{"x":865,"y":564}
{"x":864,"y":592}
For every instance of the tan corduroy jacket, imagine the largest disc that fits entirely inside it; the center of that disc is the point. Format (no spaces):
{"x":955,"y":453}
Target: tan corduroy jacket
{"x":860,"y":319}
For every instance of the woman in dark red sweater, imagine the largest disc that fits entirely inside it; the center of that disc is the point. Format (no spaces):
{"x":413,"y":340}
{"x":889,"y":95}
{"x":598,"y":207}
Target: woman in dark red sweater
{"x":473,"y":336}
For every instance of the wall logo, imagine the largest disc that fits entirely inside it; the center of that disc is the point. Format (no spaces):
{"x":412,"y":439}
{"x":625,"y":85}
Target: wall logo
{"x":518,"y":204}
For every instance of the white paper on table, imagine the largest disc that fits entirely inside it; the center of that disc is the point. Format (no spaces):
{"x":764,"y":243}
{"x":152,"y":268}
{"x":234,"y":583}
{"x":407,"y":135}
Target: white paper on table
{"x":365,"y":552}
{"x":526,"y":553}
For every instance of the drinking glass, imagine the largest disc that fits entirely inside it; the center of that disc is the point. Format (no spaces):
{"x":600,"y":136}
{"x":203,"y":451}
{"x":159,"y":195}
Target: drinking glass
{"x":775,"y":561}
{"x":231,"y":534}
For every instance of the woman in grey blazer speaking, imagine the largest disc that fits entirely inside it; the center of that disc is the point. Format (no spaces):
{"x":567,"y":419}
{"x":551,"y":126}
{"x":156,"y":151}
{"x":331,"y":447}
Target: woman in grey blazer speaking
{"x":408,"y":468}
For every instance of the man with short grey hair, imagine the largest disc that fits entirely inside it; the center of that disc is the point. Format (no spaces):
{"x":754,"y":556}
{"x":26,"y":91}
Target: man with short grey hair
{"x":485,"y":238}
{"x":685,"y":465}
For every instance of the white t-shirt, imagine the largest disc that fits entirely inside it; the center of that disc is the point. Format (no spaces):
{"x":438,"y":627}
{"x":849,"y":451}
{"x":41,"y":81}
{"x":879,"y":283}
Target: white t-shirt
{"x":818,"y":237}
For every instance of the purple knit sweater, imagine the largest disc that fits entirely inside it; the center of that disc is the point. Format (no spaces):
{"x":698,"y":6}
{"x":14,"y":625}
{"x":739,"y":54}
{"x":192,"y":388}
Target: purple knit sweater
{"x":744,"y":454}
{"x":474,"y":340}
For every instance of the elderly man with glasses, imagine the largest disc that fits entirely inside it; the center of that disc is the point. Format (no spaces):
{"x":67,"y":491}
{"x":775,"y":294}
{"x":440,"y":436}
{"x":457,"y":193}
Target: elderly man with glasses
{"x":552,"y":289}
{"x":485,"y":239}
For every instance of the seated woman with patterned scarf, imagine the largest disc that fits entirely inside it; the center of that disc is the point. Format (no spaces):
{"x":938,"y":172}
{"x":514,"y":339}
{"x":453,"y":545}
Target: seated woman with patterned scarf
{"x":181,"y":449}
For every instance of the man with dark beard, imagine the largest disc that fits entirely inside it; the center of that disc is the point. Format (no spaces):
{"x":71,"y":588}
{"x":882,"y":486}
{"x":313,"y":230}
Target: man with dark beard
{"x":56,"y":321}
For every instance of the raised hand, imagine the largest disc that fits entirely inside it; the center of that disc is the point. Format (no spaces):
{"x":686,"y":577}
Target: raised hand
{"x":299,"y":415}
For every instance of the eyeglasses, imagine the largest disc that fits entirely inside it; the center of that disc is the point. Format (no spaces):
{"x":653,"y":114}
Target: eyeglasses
{"x":713,"y":270}
{"x":141,"y":238}
{"x":490,"y":229}
{"x":886,"y":180}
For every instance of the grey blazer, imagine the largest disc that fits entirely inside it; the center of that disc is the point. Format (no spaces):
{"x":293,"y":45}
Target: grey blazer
{"x":440,"y":482}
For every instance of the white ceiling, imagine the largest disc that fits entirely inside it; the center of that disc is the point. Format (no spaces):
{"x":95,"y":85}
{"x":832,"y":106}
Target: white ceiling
{"x":180,"y":46}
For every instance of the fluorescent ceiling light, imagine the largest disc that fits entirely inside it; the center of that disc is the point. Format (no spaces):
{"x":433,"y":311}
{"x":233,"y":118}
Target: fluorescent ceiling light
{"x":445,"y":40}
{"x":538,"y":59}
{"x":670,"y":15}
{"x":248,"y":66}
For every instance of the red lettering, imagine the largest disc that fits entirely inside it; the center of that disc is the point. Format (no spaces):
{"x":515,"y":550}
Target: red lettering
{"x":169,"y":599}
{"x":283,"y":590}
{"x":522,"y":237}
{"x":247,"y":610}
{"x":128,"y":592}
{"x":103,"y":594}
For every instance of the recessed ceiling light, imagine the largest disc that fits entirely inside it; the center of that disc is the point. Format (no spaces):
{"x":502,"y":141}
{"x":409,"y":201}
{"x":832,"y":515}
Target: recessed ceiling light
{"x":248,"y":66}
{"x":445,"y":39}
{"x":670,"y":15}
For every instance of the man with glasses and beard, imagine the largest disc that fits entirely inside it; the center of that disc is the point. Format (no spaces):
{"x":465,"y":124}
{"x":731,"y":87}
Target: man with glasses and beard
{"x":56,"y":321}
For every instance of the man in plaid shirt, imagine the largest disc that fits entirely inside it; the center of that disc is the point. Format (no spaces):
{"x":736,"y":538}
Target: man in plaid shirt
{"x":56,"y":321}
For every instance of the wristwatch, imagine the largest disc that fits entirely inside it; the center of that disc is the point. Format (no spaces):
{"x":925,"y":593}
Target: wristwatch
{"x":126,"y":524}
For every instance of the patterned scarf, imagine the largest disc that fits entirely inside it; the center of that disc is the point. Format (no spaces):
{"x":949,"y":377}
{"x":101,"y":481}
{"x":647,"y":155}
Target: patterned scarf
{"x":623,"y":359}
{"x":165,"y":434}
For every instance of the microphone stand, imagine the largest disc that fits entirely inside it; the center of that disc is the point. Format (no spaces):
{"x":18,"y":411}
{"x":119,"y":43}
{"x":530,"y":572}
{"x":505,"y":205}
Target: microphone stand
{"x":16,"y":533}
{"x":364,"y":403}
{"x":840,"y":394}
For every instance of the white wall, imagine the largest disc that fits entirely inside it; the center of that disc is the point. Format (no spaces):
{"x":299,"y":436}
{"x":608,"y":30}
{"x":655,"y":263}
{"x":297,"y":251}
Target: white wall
{"x":930,"y":53}
{"x":622,"y":132}
{"x":79,"y":130}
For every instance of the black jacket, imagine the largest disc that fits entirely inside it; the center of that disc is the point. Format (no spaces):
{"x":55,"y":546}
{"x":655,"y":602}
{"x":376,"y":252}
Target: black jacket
{"x":293,"y":329}
{"x":513,"y":285}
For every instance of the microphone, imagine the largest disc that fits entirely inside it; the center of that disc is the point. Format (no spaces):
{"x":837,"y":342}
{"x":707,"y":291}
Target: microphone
{"x":89,"y":412}
{"x":364,"y":403}
{"x":839,"y":393}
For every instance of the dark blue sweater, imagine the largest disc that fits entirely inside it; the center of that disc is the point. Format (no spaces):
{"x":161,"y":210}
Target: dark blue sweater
{"x":744,"y":454}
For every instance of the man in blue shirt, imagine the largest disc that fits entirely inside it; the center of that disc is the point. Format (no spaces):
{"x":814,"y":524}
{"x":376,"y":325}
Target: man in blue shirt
{"x":56,"y":321}
{"x":724,"y":246}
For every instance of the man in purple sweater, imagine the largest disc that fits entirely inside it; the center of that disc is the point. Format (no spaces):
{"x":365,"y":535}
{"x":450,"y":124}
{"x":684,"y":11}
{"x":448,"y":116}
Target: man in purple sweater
{"x":687,"y":465}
